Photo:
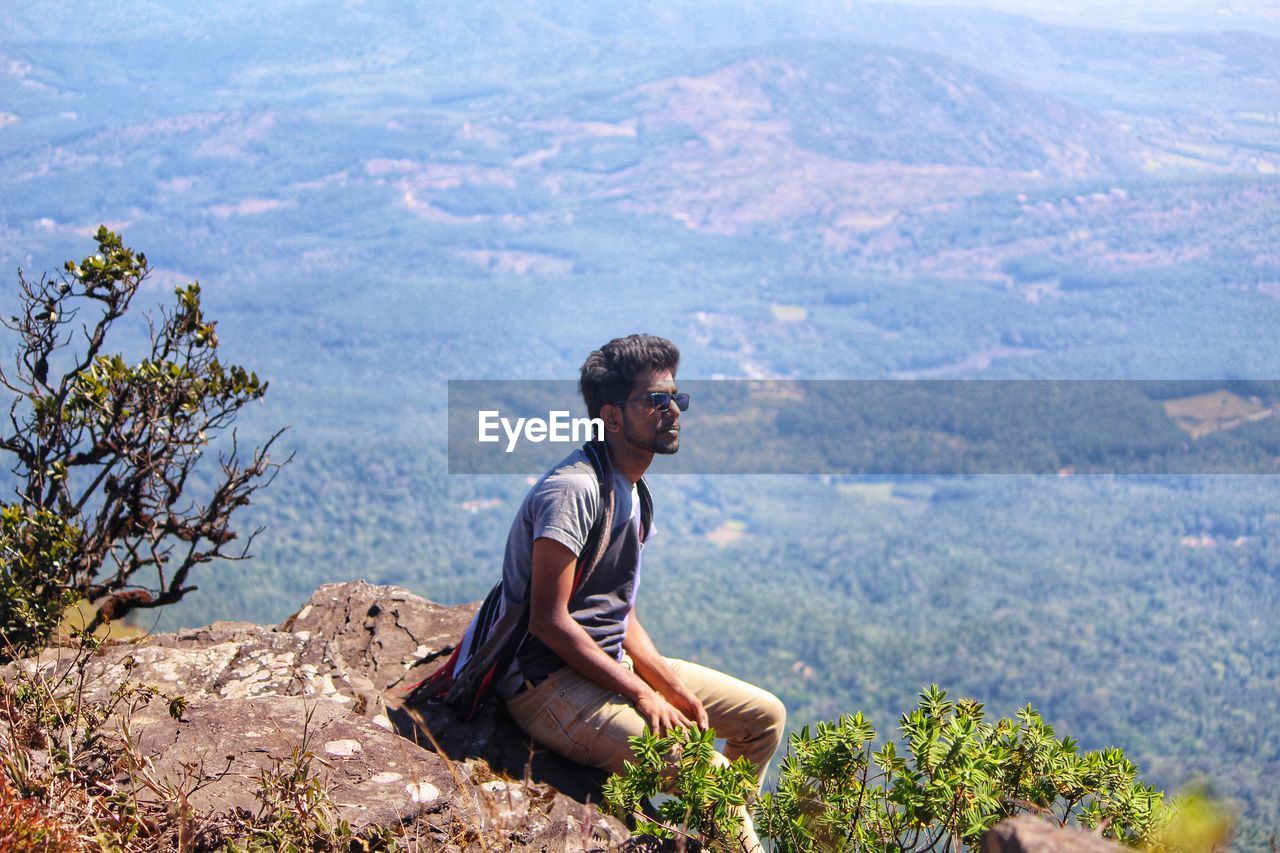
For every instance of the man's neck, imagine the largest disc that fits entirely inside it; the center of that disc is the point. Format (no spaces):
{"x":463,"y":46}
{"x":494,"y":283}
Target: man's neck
{"x":628,"y":461}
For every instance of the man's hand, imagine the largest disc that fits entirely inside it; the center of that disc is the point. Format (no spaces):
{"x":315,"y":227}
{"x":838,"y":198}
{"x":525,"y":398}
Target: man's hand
{"x":688,"y":705}
{"x":661,"y":715}
{"x":657,"y":673}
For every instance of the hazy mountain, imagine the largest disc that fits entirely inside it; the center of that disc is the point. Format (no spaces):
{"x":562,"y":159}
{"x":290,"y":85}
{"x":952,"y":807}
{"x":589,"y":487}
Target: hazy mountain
{"x":337,"y":168}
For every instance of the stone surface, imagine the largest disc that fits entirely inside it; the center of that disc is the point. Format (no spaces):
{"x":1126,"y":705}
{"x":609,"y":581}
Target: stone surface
{"x":395,"y":639}
{"x":357,"y":644}
{"x":1029,"y":834}
{"x":225,"y":661}
{"x":387,"y":634}
{"x":491,"y":737}
{"x":332,"y":676}
{"x":229,"y":750}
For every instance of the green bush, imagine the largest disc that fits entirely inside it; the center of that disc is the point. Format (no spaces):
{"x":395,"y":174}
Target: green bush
{"x":956,"y":777}
{"x":710,"y":798}
{"x":36,"y":547}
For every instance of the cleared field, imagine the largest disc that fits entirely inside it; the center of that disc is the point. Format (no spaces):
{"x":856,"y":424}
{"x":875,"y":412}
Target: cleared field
{"x":1203,"y":414}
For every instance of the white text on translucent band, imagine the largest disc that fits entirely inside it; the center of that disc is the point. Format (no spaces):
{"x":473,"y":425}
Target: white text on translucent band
{"x":557,"y":427}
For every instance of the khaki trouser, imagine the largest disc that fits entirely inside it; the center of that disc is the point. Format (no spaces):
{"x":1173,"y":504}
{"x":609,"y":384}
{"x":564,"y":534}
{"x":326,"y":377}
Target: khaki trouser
{"x":581,"y":720}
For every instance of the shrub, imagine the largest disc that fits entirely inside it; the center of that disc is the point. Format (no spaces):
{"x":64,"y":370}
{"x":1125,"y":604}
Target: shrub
{"x":710,"y":798}
{"x":105,"y":452}
{"x":956,"y":777}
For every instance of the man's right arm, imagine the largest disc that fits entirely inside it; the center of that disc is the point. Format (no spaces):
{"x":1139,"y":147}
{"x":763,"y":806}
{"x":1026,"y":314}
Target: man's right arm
{"x":551,"y":587}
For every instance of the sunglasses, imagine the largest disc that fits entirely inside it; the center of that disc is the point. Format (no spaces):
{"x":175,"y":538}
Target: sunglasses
{"x":661,"y":400}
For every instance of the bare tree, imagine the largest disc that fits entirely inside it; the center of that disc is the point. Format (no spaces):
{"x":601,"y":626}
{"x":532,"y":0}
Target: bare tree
{"x":114,"y":449}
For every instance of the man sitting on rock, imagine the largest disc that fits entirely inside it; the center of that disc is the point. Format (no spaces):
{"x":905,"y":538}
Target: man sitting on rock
{"x":583,"y":674}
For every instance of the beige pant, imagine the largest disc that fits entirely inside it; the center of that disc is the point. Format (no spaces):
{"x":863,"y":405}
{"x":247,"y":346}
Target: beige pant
{"x":581,"y":720}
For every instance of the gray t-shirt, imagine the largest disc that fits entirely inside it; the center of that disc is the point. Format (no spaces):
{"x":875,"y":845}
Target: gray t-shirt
{"x":562,"y":506}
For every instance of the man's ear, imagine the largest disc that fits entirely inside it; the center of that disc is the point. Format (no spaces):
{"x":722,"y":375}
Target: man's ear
{"x":611,"y":414}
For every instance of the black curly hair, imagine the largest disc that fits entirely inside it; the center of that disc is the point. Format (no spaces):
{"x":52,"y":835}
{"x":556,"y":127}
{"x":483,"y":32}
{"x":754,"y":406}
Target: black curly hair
{"x":609,"y":373}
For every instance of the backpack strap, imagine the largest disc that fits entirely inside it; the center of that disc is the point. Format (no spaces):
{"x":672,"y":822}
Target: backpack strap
{"x":472,"y":653}
{"x":646,"y":509}
{"x":602,"y":529}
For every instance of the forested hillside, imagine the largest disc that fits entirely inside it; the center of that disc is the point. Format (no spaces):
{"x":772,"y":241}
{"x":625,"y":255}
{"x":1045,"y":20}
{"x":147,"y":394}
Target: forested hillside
{"x":378,"y":198}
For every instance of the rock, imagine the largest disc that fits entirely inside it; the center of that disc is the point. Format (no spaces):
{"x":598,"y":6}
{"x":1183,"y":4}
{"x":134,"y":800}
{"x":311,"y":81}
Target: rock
{"x":387,"y":634}
{"x":224,"y":661}
{"x":332,"y":676}
{"x":352,"y":643}
{"x":229,"y":751}
{"x":1030,"y":834}
{"x":395,"y":639}
{"x":492,"y":737}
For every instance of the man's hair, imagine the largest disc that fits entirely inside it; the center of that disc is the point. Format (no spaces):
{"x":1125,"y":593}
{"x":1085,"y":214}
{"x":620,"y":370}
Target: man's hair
{"x":609,"y":373}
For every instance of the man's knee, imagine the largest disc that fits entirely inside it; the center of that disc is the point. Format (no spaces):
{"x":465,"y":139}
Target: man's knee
{"x":773,"y":716}
{"x":776,"y":712}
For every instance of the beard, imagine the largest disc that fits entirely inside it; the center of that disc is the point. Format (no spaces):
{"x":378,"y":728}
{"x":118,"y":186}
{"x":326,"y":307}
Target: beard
{"x":659,"y":442}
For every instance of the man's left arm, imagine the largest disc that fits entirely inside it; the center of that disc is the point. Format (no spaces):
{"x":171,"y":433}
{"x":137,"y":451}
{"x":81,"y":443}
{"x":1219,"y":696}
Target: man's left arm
{"x":651,"y":666}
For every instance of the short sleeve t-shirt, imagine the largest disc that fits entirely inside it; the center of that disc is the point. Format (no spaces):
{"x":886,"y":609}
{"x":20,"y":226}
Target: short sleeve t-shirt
{"x":563,"y":506}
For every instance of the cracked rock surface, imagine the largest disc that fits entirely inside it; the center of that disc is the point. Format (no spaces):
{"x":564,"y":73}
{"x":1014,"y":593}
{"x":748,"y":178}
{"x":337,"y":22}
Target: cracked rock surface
{"x":228,"y":751}
{"x":329,"y":681}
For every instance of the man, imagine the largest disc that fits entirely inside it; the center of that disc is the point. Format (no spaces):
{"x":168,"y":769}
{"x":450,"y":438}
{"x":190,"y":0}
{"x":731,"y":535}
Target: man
{"x":587,"y":676}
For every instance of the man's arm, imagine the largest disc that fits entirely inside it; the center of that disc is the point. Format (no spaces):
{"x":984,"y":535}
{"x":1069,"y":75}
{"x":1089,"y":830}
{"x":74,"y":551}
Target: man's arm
{"x":551,"y":586}
{"x":654,"y":669}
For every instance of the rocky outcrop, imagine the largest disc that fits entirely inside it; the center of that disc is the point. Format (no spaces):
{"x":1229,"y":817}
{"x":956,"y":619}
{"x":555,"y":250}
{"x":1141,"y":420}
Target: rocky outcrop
{"x":325,"y":687}
{"x":389,"y":636}
{"x":395,"y":639}
{"x":1029,"y":834}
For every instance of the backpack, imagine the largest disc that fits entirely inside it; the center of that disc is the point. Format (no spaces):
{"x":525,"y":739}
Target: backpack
{"x":498,"y":630}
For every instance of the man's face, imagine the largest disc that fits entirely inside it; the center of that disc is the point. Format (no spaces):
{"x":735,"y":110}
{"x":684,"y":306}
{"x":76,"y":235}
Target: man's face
{"x":645,"y":427}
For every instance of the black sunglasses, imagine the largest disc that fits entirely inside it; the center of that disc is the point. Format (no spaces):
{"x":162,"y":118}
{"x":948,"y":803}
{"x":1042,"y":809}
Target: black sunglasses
{"x":661,"y":400}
